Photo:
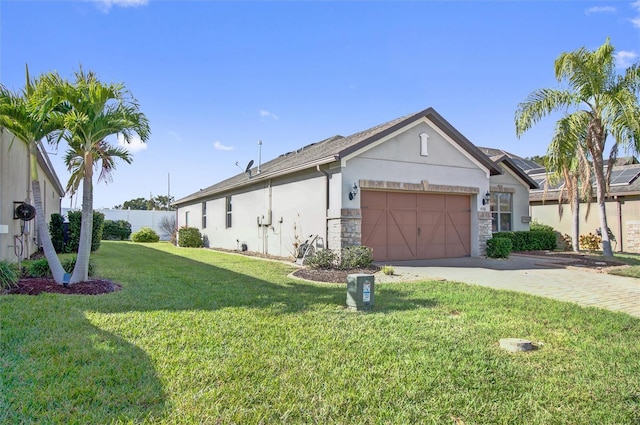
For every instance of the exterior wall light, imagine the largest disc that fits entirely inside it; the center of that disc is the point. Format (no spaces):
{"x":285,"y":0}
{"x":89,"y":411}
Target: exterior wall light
{"x":354,"y":191}
{"x":486,"y":199}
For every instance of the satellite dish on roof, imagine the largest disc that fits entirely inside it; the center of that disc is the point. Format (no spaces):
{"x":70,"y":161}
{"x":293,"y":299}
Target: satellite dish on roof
{"x":249,"y":165}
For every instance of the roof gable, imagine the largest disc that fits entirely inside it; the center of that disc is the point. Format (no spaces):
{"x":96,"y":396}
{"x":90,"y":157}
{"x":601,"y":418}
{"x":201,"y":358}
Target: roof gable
{"x":335,"y":148}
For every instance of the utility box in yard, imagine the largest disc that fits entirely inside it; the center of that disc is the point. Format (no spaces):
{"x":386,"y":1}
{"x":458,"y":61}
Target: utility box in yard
{"x":360,"y":291}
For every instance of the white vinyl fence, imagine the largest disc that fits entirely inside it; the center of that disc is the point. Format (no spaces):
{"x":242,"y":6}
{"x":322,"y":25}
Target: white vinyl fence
{"x":137,"y":218}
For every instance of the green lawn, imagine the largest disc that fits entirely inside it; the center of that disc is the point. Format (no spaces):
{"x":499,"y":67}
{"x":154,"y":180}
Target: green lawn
{"x":631,"y":259}
{"x":202,"y":337}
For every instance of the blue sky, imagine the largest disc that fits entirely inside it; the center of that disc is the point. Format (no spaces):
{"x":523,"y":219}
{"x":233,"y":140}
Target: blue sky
{"x":215,"y":77}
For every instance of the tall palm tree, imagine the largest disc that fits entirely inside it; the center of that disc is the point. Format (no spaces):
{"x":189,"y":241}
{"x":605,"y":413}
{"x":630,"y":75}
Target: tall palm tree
{"x":17,"y":116}
{"x":94,"y":111}
{"x":610,"y":102}
{"x":566,"y":161}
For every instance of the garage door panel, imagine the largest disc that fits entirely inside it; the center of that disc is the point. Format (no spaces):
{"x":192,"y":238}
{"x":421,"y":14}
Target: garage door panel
{"x":405,"y":226}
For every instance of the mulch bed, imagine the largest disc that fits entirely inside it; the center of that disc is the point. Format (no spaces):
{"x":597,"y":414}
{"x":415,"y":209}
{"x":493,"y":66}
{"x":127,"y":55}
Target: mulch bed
{"x":577,"y":259}
{"x":334,"y":276}
{"x":35,"y":286}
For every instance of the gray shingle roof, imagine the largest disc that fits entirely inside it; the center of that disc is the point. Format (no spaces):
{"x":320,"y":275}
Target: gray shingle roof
{"x":333,"y":149}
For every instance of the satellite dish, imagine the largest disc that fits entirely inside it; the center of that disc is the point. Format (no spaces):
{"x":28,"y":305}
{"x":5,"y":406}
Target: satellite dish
{"x":25,"y":212}
{"x":249,"y":165}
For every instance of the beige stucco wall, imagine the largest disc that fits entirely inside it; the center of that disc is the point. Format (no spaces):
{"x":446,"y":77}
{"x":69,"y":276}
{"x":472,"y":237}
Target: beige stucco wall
{"x":298,"y":209}
{"x":621,"y":219}
{"x":15,"y":186}
{"x":510,"y":182}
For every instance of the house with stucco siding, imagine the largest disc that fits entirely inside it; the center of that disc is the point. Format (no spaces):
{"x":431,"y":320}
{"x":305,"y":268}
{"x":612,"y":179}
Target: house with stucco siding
{"x":19,"y":239}
{"x":411,"y":188}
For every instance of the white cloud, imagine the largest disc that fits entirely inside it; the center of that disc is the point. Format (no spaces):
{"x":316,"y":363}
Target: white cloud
{"x":600,"y":9}
{"x":624,"y":58}
{"x":220,"y":147}
{"x":267,"y":114}
{"x":105,"y":5}
{"x":134,"y":145}
{"x":636,"y":21}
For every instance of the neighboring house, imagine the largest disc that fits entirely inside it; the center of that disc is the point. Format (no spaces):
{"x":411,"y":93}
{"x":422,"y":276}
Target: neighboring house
{"x":19,"y":239}
{"x":622,"y":206}
{"x":411,"y":188}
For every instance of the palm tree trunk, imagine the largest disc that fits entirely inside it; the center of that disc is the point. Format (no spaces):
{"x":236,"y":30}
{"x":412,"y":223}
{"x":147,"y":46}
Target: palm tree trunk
{"x":45,"y":238}
{"x":596,"y":147}
{"x":81,"y":269}
{"x":575,"y":208}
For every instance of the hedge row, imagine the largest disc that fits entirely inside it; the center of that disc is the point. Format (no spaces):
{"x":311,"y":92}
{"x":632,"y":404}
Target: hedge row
{"x":529,"y":240}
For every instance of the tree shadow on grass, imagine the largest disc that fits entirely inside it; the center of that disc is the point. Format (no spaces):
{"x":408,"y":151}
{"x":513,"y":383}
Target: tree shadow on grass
{"x":69,"y":358}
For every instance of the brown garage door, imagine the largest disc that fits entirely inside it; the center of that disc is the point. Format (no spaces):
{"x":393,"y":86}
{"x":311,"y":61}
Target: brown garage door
{"x":409,"y":226}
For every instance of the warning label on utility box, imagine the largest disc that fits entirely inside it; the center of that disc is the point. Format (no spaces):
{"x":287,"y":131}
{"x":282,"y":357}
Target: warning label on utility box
{"x":366,"y":292}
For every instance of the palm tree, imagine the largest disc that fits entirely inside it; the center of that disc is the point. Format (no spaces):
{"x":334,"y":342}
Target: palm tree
{"x":94,"y":111}
{"x":610,"y":102}
{"x":17,"y":116}
{"x":566,"y":161}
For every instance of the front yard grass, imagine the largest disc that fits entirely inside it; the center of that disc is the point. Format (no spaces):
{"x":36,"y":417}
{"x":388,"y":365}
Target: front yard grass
{"x":197,"y":336}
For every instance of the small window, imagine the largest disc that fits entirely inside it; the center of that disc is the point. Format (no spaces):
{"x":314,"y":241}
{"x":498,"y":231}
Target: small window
{"x":228,"y":209}
{"x":186,"y":219}
{"x":501,"y":211}
{"x":204,"y":215}
{"x":424,"y":144}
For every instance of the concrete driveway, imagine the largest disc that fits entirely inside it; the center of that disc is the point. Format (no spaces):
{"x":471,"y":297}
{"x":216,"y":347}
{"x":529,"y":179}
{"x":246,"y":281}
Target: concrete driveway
{"x":531,"y":275}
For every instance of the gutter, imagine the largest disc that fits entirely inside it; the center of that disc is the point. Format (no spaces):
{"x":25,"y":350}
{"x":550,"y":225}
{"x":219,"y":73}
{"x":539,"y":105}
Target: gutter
{"x":326,"y":209}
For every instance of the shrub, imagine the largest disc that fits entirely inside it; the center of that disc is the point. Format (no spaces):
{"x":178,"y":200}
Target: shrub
{"x":190,"y":237}
{"x":499,"y":247}
{"x":38,"y":268}
{"x":590,"y":242}
{"x":146,"y":234}
{"x":118,"y":230}
{"x":354,"y":257}
{"x":75,"y":221}
{"x":536,"y":226}
{"x":8,"y":275}
{"x":323,"y":259}
{"x":529,"y":240}
{"x":68,"y":265}
{"x":170,"y":228}
{"x":388,"y":270}
{"x":56,"y":230}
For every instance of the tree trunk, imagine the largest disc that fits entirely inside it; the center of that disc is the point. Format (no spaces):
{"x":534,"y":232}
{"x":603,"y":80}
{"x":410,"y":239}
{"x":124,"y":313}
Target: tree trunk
{"x":81,"y":269}
{"x":45,"y":238}
{"x":575,"y":208}
{"x":596,"y":147}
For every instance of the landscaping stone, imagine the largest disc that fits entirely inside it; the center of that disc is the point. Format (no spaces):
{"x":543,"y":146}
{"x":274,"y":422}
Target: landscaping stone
{"x":515,"y":345}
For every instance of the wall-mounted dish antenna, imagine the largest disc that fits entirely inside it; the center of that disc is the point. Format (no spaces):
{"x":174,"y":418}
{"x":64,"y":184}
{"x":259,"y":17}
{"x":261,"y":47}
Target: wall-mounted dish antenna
{"x":24,"y":212}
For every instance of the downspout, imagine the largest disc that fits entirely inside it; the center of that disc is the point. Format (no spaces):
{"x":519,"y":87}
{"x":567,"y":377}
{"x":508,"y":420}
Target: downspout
{"x":326,"y":209}
{"x":619,"y":205}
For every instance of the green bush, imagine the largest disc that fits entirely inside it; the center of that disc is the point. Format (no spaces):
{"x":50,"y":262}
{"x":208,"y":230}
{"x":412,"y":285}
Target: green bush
{"x":536,"y":226}
{"x":116,"y":230}
{"x":323,"y":259}
{"x":146,"y":234}
{"x":529,"y":240}
{"x":38,"y":268}
{"x":56,"y":230}
{"x":75,"y":221}
{"x":388,"y":270}
{"x":8,"y":275}
{"x":356,"y":257}
{"x":68,"y":265}
{"x":499,"y":247}
{"x":190,"y":237}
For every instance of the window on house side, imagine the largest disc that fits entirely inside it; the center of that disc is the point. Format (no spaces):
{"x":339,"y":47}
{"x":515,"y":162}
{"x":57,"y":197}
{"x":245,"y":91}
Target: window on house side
{"x":186,"y":219}
{"x":501,"y":211}
{"x":204,"y":215}
{"x":228,"y":209}
{"x":424,"y":144}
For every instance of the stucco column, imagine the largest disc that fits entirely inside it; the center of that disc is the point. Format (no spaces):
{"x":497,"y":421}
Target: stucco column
{"x":484,"y":230}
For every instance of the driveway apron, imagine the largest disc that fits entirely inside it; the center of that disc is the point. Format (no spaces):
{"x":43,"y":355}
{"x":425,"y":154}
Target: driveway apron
{"x":531,"y":275}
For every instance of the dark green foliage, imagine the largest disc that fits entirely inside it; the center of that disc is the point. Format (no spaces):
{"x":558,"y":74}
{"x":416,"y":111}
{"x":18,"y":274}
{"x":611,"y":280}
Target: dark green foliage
{"x":529,"y":240}
{"x":38,"y":268}
{"x":75,"y":220}
{"x":118,"y":230}
{"x":190,"y":237}
{"x":56,"y":230}
{"x":539,"y":227}
{"x":68,"y":265}
{"x":323,"y":259}
{"x":146,"y":234}
{"x":354,"y":257}
{"x":8,"y":275}
{"x":498,"y":247}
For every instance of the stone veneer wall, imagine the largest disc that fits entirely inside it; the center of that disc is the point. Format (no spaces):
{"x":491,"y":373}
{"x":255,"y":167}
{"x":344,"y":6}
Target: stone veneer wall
{"x":484,"y":231}
{"x":632,"y":237}
{"x":345,"y":230}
